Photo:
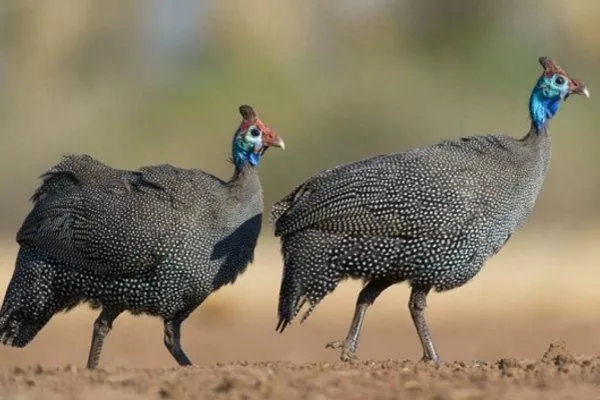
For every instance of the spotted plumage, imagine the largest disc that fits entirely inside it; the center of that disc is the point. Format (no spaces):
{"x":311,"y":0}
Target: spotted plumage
{"x":430,"y":216}
{"x":158,"y":240}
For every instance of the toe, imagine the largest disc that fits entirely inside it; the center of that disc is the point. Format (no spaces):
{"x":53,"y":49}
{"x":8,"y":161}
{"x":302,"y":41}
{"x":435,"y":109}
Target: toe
{"x":338,"y":344}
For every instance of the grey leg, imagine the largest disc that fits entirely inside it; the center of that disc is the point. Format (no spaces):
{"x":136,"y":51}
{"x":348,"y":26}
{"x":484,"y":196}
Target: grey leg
{"x":417,"y":305}
{"x":173,"y":342}
{"x":366,"y":298}
{"x":102,"y":326}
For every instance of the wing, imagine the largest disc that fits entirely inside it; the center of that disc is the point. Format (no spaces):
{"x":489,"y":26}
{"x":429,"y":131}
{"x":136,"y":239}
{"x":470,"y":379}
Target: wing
{"x":115,"y":221}
{"x":436,"y":190}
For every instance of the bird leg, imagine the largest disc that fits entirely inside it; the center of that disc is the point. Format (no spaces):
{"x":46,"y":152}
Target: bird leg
{"x":417,"y":304}
{"x":173,"y":342}
{"x":366,"y":298}
{"x":102,"y":326}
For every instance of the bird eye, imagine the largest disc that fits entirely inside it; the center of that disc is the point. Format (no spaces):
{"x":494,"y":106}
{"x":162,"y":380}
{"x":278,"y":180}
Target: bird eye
{"x":254,"y":132}
{"x":559,"y":80}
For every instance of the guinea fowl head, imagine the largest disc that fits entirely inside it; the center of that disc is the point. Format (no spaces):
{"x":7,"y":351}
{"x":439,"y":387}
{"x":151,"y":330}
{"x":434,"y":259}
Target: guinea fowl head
{"x":552,"y":87}
{"x":252,"y":139}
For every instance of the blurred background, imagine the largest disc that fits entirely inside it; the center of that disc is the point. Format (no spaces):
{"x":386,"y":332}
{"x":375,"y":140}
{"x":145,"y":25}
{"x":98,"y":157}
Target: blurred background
{"x":147,"y":82}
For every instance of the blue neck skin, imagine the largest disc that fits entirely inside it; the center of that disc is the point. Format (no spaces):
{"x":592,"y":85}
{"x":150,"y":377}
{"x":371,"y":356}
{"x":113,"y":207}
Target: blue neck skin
{"x":244,"y":153}
{"x":542,"y":107}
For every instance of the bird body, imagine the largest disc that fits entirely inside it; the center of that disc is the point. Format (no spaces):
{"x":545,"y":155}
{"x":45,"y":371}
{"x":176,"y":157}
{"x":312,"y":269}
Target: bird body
{"x":148,"y":227}
{"x":84,"y":206}
{"x":457,"y":200}
{"x":158,"y":240}
{"x":430,"y":216}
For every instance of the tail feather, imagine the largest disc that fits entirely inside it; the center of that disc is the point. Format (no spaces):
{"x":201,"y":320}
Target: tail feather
{"x":16,"y":331}
{"x":9,"y":329}
{"x":289,"y":298}
{"x":308,"y":274}
{"x":31,"y":299}
{"x":281,"y":325}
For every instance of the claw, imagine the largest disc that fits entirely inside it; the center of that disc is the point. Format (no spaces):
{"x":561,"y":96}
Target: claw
{"x":347,"y":353}
{"x":336,"y":344}
{"x":348,"y":356}
{"x":429,"y":360}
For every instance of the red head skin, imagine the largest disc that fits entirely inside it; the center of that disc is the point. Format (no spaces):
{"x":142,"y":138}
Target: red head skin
{"x":269,"y":137}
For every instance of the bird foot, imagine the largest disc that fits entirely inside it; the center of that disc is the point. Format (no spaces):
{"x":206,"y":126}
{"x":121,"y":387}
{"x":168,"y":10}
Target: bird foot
{"x":430,"y":360}
{"x":348,"y":353}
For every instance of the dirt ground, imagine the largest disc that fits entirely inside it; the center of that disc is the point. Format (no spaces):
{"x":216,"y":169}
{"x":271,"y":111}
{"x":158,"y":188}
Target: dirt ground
{"x":556,"y":375}
{"x":530,"y":317}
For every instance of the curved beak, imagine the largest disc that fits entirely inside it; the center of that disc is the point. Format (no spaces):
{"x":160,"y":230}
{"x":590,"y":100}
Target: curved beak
{"x":279,"y":143}
{"x":577,"y":87}
{"x":271,"y":139}
{"x":585,"y":92}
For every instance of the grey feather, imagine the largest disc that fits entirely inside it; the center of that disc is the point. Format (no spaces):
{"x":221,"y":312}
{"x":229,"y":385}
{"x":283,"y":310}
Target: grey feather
{"x":431,"y":216}
{"x":157,"y":240}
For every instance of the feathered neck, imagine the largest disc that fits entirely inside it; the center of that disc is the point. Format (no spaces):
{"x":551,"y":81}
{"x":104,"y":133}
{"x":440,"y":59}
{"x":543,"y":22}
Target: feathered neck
{"x":245,"y":183}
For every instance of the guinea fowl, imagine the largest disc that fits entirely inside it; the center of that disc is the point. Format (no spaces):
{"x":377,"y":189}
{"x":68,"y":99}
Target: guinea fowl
{"x":430,"y":216}
{"x":156,"y":241}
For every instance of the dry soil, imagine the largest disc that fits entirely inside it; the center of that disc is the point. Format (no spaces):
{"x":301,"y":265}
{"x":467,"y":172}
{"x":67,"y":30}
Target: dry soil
{"x":530,"y":317}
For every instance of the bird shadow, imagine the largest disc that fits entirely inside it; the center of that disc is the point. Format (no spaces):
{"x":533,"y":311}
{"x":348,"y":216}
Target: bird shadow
{"x":236,"y":251}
